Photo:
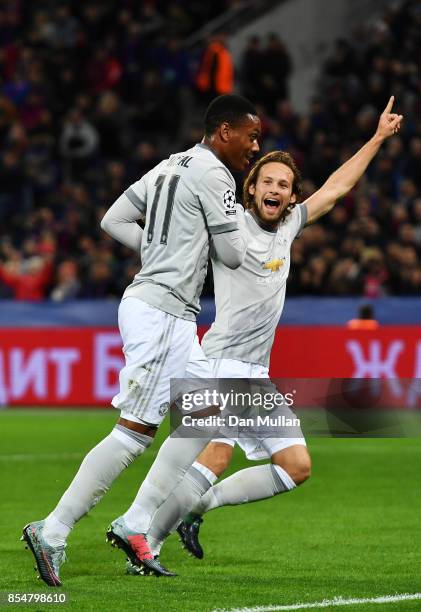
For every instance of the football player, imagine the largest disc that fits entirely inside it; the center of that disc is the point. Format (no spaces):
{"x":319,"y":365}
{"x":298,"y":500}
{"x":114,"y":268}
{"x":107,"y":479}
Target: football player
{"x":184,"y":201}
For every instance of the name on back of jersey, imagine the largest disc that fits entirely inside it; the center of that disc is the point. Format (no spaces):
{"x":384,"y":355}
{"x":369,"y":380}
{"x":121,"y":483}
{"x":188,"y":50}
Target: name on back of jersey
{"x":183,"y":160}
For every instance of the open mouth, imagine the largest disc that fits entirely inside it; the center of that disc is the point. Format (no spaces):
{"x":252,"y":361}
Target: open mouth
{"x":271,"y":205}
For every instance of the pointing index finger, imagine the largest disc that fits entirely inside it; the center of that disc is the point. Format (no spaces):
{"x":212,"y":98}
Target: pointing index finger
{"x":389,"y":104}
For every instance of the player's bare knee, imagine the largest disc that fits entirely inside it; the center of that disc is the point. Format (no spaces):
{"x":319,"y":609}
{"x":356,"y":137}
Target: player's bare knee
{"x":302,"y":470}
{"x":299,"y":472}
{"x":296,"y":461}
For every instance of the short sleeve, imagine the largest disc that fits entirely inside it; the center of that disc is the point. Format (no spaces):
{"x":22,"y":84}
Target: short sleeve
{"x":298,"y":219}
{"x":217,"y":197}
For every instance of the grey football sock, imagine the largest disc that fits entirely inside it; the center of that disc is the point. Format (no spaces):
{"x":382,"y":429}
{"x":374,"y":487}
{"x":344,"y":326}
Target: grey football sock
{"x":185,"y":495}
{"x":98,"y":470}
{"x":175,"y":457}
{"x":251,"y":484}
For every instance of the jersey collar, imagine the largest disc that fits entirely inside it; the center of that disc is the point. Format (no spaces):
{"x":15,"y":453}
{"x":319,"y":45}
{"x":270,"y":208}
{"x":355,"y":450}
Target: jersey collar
{"x":204,"y":146}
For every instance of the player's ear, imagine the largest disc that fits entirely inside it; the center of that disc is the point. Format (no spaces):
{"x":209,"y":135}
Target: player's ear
{"x":252,"y":189}
{"x":224,"y":131}
{"x":293,"y":198}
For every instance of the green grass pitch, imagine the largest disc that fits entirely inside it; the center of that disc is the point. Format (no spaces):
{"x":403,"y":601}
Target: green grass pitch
{"x":353,"y":530}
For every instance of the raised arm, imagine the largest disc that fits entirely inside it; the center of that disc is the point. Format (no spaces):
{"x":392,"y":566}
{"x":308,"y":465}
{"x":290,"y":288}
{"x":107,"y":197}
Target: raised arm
{"x":347,"y":175}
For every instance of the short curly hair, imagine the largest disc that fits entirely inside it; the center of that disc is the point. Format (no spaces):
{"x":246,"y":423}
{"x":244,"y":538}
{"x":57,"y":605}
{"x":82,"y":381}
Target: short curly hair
{"x":282,"y":157}
{"x":229,"y":108}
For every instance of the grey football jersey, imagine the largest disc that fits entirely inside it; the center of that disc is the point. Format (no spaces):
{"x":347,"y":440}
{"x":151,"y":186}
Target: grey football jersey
{"x":250,"y":299}
{"x":185,"y":199}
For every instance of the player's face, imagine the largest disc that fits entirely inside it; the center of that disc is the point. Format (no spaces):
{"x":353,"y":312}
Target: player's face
{"x":273,"y":191}
{"x":242,"y":142}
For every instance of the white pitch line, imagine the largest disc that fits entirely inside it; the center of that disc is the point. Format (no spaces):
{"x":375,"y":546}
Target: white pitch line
{"x":326,"y":603}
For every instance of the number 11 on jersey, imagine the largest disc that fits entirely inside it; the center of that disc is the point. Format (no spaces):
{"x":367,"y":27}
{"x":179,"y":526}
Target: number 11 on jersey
{"x":172,"y":187}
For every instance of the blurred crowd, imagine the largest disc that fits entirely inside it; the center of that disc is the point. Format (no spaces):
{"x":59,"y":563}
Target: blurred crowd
{"x":94,"y":94}
{"x":370,"y":244}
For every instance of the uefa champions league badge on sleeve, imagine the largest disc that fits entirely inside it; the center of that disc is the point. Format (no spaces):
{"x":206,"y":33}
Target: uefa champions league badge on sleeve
{"x":229,"y":202}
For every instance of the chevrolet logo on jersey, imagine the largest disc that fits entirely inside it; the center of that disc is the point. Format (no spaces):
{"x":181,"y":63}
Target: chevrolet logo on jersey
{"x":273,"y":265}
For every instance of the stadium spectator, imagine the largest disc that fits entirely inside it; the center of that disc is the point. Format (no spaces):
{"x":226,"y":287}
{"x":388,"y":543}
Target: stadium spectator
{"x":150,"y":19}
{"x":153,"y":116}
{"x":144,"y":158}
{"x":11,"y":183}
{"x":104,"y":70}
{"x":345,"y":277}
{"x":78,"y":143}
{"x":173,"y":62}
{"x":28,"y":279}
{"x":251,"y":65}
{"x":412,"y":163}
{"x":365,"y":319}
{"x":375,"y":274}
{"x":275,"y":68}
{"x":265,"y":72}
{"x":111,"y":122}
{"x":68,"y":285}
{"x":100,"y":282}
{"x":216,"y":72}
{"x":65,"y":30}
